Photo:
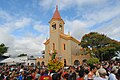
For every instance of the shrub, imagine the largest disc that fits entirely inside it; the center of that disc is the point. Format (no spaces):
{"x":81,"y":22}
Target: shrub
{"x":55,"y":65}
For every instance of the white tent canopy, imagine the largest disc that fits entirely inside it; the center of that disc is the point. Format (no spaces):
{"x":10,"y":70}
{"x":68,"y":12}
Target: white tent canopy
{"x":12,"y":60}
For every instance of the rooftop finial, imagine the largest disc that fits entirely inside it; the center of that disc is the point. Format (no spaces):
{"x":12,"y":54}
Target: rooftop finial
{"x":56,"y":7}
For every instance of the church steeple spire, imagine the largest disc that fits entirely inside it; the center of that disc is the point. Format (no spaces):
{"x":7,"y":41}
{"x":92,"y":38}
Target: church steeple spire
{"x":56,"y":14}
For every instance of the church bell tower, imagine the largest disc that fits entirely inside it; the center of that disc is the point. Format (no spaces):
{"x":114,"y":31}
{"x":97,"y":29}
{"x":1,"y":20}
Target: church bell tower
{"x":56,"y":28}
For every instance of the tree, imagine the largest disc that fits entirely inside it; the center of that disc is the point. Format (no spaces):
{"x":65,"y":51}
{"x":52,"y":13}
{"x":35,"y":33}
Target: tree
{"x":3,"y":49}
{"x":92,"y":61}
{"x":100,"y":46}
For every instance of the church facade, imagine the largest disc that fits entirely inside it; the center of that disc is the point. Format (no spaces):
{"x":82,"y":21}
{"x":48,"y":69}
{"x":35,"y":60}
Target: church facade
{"x":67,"y":47}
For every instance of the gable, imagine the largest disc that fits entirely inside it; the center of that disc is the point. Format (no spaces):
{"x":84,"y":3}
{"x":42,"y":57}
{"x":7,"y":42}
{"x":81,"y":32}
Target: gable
{"x":47,"y":41}
{"x":68,"y":37}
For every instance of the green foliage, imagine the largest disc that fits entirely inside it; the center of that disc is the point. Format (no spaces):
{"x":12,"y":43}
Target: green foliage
{"x":100,"y":46}
{"x":92,"y":61}
{"x":3,"y":49}
{"x":22,"y":55}
{"x":54,"y":64}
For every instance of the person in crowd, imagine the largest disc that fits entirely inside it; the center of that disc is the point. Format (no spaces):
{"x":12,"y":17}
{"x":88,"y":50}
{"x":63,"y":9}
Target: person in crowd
{"x":65,"y":76}
{"x":102,"y":75}
{"x":112,"y":75}
{"x":81,"y":74}
{"x":98,"y":67}
{"x":22,"y":68}
{"x":33,"y":74}
{"x":21,"y":75}
{"x":55,"y":76}
{"x":86,"y":74}
{"x":72,"y":74}
{"x":37,"y":74}
{"x":59,"y":73}
{"x":92,"y":72}
{"x":45,"y":76}
{"x":118,"y":74}
{"x":16,"y":77}
{"x":109,"y":69}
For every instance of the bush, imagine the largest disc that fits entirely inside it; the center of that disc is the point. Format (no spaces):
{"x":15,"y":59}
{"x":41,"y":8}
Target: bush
{"x":55,"y":65}
{"x":92,"y":61}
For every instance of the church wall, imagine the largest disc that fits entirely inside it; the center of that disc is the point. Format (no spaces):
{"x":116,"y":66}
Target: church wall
{"x":75,"y":48}
{"x":47,"y":56}
{"x":75,"y":51}
{"x":66,"y":54}
{"x":80,"y":58}
{"x":69,"y":52}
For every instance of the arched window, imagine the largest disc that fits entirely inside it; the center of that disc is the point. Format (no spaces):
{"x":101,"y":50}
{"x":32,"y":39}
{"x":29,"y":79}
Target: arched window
{"x":64,"y":62}
{"x":64,"y":47}
{"x":53,"y":26}
{"x":53,"y":46}
{"x":60,"y":27}
{"x":77,"y":62}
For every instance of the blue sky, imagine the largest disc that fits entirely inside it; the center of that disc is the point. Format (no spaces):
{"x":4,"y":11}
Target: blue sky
{"x":24,"y":24}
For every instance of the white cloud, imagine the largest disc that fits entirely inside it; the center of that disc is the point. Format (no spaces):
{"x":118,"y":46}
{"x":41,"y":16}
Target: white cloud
{"x":64,"y":4}
{"x":80,"y":27}
{"x":5,"y":16}
{"x":95,"y":19}
{"x":41,"y":28}
{"x":103,"y":14}
{"x":77,"y":28}
{"x":15,"y":24}
{"x":111,"y":29}
{"x":22,"y":22}
{"x":5,"y":37}
{"x":91,"y":2}
{"x":33,"y":45}
{"x":46,"y":4}
{"x":30,"y":44}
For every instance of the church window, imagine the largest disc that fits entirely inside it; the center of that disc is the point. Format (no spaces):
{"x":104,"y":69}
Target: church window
{"x":54,"y":26}
{"x":64,"y":47}
{"x":60,"y":27}
{"x":53,"y":46}
{"x":64,"y":62}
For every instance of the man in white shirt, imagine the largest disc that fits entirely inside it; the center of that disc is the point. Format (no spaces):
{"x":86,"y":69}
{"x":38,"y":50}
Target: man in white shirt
{"x":112,"y":75}
{"x":102,"y":72}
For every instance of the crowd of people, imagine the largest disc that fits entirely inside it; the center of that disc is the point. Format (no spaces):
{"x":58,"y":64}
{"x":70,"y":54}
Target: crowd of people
{"x":101,"y":71}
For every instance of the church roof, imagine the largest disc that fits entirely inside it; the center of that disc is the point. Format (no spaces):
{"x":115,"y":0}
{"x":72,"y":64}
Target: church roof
{"x":56,"y":14}
{"x":66,"y":37}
